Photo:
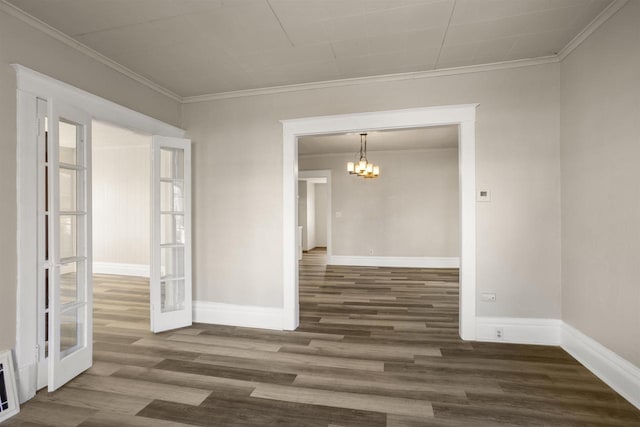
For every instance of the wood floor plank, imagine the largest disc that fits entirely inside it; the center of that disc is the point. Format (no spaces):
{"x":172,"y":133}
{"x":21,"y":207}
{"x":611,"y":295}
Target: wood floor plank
{"x":98,"y":400}
{"x":375,"y":347}
{"x":363,"y":402}
{"x":136,"y":388}
{"x":53,"y":414}
{"x":110,"y":419}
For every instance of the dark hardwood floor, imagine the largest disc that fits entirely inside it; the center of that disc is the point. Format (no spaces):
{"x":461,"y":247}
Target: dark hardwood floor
{"x":375,"y":347}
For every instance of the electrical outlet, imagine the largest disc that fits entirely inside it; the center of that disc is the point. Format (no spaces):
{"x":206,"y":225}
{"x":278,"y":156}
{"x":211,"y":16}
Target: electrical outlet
{"x":370,"y":251}
{"x":499,"y":333}
{"x":338,"y":214}
{"x":488,"y":297}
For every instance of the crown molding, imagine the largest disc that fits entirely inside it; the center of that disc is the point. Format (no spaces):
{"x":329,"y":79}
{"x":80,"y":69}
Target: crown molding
{"x":607,"y":13}
{"x":373,"y":79}
{"x":602,"y":17}
{"x":73,"y":43}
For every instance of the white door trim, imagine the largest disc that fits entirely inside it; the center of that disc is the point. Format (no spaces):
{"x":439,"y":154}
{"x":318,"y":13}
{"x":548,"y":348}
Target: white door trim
{"x":461,"y":115}
{"x":30,"y":86}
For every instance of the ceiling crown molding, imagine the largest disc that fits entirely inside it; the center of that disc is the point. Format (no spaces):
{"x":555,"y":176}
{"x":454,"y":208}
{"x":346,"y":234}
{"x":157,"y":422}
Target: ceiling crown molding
{"x":373,"y":79}
{"x":73,"y":43}
{"x":602,"y":17}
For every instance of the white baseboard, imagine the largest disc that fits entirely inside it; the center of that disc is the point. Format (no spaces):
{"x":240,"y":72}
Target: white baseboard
{"x":389,"y":261}
{"x":139,"y":270}
{"x":519,"y":330}
{"x":238,"y":315}
{"x":26,"y":382}
{"x":618,"y":373}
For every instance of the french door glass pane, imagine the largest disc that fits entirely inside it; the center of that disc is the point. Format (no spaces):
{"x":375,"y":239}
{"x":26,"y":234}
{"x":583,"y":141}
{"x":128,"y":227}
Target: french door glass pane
{"x":68,"y":190}
{"x":172,"y":262}
{"x":171,"y":163}
{"x":172,"y":196}
{"x":172,"y":295}
{"x":171,"y":229}
{"x":71,"y":286}
{"x":68,"y":236}
{"x":69,"y":135}
{"x":72,"y":324}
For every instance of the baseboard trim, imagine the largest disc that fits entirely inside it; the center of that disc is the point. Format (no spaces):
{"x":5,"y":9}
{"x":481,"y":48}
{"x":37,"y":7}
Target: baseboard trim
{"x":388,"y":261}
{"x":138,"y":270}
{"x":519,"y":330}
{"x":238,"y":315}
{"x":26,"y":382}
{"x":618,"y":373}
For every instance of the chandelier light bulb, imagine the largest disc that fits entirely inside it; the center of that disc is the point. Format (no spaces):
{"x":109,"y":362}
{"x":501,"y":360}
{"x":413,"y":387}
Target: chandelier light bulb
{"x":362,"y":167}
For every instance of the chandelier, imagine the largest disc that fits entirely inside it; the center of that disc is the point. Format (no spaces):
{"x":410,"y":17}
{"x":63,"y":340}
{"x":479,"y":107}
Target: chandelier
{"x":362,"y":167}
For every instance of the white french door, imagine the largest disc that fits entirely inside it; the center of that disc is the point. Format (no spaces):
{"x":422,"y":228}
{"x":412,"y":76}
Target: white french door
{"x":171,"y":302}
{"x":68,"y":265}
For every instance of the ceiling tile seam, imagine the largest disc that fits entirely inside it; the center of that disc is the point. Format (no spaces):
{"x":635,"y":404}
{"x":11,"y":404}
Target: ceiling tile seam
{"x":82,"y":48}
{"x":16,"y":12}
{"x":280,"y":23}
{"x":120,"y":27}
{"x":444,"y":36}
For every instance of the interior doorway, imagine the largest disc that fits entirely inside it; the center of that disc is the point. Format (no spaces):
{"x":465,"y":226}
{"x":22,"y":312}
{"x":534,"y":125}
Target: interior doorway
{"x":314,"y":210}
{"x":462,"y":116}
{"x":55,"y":233}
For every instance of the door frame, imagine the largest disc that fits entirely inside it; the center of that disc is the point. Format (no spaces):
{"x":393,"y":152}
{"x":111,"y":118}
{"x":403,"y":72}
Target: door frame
{"x":464,"y":116}
{"x":31,"y":86}
{"x":322,"y":173}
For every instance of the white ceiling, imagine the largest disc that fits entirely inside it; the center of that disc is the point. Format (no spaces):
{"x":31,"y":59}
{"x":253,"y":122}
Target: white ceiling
{"x":388,"y":140}
{"x":195,"y":47}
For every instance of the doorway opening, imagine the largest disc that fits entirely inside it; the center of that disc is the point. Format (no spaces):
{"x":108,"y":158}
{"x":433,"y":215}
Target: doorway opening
{"x":55,"y":252}
{"x":462,"y":116}
{"x":396,"y":238}
{"x":121,"y":198}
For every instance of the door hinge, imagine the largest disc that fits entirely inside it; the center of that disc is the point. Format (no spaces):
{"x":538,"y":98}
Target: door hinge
{"x":37,"y":352}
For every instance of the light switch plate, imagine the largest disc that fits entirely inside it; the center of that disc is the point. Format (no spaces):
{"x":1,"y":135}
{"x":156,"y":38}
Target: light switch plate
{"x":484,"y":195}
{"x":338,"y":214}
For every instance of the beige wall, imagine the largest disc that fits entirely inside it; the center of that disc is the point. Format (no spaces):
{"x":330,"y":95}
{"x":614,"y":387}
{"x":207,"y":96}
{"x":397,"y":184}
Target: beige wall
{"x":410,"y":211}
{"x":302,"y":211}
{"x":601,"y":185}
{"x":238,"y":142}
{"x":121,"y":195}
{"x":321,"y":215}
{"x":20,"y":43}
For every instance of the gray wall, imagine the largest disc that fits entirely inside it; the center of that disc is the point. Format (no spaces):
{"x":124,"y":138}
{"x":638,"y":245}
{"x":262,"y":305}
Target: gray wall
{"x":121,"y":195}
{"x":20,"y":43}
{"x":518,"y":233}
{"x":321,"y":215}
{"x":410,"y":211}
{"x":601,"y":185}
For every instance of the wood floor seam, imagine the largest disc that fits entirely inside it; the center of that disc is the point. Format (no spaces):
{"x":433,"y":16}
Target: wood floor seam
{"x":376,"y":347}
